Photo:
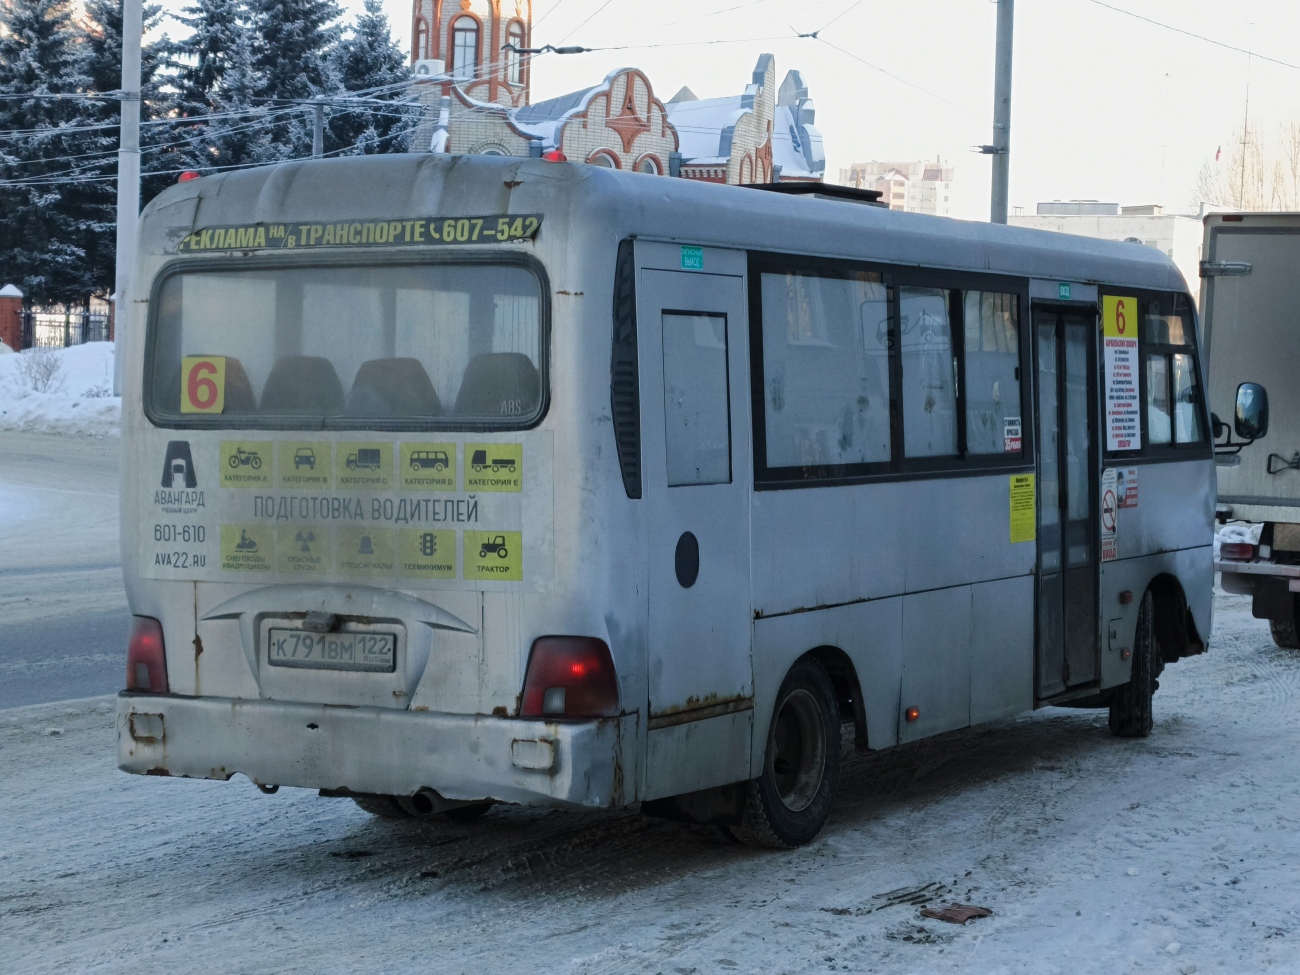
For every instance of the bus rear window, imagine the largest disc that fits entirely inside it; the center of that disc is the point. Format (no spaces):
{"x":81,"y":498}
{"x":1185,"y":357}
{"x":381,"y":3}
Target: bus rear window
{"x":442,"y":346}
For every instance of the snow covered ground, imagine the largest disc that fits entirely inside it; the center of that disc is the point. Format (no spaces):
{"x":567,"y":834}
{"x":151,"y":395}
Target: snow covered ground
{"x":1175,"y":854}
{"x":76,"y":400}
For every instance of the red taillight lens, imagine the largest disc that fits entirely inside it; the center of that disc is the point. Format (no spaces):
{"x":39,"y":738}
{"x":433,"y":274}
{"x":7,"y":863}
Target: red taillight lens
{"x":187,"y":176}
{"x":570,"y":677}
{"x":146,"y":663}
{"x":1237,"y":551}
{"x":554,"y":155}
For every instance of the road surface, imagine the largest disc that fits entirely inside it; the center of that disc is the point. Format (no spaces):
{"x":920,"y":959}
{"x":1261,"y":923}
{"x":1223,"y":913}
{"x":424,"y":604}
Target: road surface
{"x":62,"y":606}
{"x":1179,"y":853}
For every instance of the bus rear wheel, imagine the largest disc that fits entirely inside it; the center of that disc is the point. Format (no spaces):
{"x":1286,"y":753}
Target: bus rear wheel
{"x":1284,"y":634}
{"x":1130,"y":704}
{"x":788,"y":804}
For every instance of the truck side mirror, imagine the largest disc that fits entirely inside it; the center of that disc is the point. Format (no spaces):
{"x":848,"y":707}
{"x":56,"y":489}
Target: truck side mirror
{"x":1251,"y":421}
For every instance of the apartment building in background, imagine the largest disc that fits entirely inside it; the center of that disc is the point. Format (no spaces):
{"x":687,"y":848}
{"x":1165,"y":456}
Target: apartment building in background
{"x":921,"y":186}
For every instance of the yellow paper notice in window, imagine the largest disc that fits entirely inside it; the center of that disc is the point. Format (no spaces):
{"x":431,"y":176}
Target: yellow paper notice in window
{"x":1023,"y":509}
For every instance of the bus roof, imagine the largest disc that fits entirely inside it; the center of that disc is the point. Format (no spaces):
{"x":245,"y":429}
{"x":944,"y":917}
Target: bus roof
{"x":408,"y":185}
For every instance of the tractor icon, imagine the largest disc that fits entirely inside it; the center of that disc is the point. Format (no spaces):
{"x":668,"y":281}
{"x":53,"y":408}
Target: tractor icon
{"x":497,"y":545}
{"x":479,"y":461}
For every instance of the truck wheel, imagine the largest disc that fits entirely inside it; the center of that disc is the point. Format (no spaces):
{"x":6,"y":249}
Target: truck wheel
{"x":1130,"y":705}
{"x":1284,"y":634}
{"x":385,"y":807}
{"x":788,"y":804}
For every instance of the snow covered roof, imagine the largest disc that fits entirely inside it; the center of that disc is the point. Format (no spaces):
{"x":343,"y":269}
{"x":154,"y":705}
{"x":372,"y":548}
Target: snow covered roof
{"x":10,"y":291}
{"x":796,"y":148}
{"x":704,"y":126}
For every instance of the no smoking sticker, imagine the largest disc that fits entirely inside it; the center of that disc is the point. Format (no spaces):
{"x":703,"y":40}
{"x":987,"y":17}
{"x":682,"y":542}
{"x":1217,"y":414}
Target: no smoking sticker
{"x":1109,"y":514}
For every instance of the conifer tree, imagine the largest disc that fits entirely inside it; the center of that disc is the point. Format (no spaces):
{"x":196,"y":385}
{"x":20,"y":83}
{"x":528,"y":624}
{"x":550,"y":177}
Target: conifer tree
{"x":45,"y":226}
{"x":295,"y":38}
{"x":365,"y":60}
{"x":197,"y":68}
{"x":244,"y":133}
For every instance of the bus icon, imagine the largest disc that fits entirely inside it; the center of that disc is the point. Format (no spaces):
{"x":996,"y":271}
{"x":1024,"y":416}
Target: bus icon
{"x":436,"y":459}
{"x":481,"y":463}
{"x":364,"y":459}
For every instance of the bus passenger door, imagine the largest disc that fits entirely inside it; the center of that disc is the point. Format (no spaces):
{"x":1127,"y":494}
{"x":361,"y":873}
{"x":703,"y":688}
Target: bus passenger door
{"x":1065,"y":344}
{"x":693,"y":341}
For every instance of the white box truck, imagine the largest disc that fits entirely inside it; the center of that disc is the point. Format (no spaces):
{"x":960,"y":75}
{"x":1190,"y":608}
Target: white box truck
{"x":1250,"y":312}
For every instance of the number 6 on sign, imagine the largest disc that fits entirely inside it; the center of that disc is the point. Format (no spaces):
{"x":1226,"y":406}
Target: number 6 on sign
{"x":203,"y":384}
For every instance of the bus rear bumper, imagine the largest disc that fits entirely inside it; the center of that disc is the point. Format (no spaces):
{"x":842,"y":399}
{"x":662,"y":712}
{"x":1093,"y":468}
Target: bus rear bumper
{"x":376,"y":750}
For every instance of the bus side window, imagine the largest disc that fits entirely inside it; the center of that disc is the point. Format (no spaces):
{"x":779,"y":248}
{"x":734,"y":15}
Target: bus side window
{"x":1173,"y":387}
{"x":697,"y":418}
{"x":992,"y":377}
{"x":929,"y":373}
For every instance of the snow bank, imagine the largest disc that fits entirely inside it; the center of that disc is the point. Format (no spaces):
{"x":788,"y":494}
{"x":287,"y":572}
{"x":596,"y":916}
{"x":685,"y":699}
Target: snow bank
{"x":77,"y":399}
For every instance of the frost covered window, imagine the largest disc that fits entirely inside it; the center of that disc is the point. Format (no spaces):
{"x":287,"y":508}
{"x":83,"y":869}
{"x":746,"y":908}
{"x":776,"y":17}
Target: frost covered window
{"x":825,"y":370}
{"x":929,"y":373}
{"x":992,"y":377}
{"x":451,"y":346}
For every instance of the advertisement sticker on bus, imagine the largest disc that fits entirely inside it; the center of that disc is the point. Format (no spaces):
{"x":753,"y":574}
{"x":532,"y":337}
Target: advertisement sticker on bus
{"x":1109,"y":514}
{"x":1024,"y":510}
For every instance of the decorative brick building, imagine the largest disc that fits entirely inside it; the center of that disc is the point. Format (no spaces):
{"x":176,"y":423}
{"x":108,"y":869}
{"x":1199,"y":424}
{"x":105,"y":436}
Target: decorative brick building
{"x":478,"y":100}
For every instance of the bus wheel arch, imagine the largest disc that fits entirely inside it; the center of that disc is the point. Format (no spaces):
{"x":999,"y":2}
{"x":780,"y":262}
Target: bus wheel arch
{"x":1176,"y":634}
{"x":848,"y":690}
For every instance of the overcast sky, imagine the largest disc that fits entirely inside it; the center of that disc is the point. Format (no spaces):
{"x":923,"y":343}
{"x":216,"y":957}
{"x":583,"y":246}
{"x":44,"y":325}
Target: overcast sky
{"x":1104,"y":106}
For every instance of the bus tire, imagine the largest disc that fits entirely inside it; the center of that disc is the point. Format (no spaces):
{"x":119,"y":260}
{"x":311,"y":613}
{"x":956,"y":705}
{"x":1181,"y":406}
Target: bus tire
{"x":1284,"y":634}
{"x":788,"y":804}
{"x":385,"y":807}
{"x":1130,"y":704}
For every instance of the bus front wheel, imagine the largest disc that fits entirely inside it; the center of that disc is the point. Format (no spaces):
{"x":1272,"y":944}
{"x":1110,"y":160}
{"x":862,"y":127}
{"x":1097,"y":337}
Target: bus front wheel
{"x":1130,"y":704}
{"x":788,"y":804}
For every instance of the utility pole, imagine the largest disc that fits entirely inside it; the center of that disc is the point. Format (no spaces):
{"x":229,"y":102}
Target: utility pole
{"x":128,"y":174}
{"x":1001,"y":148}
{"x":318,"y":130}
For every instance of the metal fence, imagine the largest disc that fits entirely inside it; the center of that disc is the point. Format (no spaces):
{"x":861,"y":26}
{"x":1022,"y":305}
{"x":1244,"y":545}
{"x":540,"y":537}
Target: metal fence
{"x":58,"y":330}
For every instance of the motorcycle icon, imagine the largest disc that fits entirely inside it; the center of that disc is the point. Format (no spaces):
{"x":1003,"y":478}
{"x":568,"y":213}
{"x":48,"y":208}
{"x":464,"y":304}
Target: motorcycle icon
{"x":246,"y":458}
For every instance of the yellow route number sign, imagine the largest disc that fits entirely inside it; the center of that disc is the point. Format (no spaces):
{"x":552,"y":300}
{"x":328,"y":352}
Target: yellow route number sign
{"x":1119,"y":317}
{"x":203,"y":384}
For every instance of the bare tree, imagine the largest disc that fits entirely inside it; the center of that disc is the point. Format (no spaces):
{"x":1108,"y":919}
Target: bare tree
{"x":1255,"y":176}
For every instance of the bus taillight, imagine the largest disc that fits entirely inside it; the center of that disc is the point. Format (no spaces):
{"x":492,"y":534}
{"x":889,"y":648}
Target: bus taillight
{"x":146,"y":662}
{"x":1237,"y":551}
{"x":570,"y":677}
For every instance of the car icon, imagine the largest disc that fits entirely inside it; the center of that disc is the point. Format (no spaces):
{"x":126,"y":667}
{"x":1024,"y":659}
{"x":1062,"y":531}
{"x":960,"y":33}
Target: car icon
{"x":436,"y":459}
{"x":304,"y":457}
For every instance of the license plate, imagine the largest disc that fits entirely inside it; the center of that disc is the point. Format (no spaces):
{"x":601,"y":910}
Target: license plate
{"x":371,"y":652}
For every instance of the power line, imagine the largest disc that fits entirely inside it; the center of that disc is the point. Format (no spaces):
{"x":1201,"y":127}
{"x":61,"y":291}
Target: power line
{"x":902,"y":80}
{"x":1199,"y":37}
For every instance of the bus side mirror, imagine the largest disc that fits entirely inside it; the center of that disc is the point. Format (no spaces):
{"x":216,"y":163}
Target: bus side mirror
{"x":1251,"y":421}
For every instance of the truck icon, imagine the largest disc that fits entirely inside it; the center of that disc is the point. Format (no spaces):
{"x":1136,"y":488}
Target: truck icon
{"x":437,"y":459}
{"x":480,"y":463}
{"x":304,"y":457}
{"x":497,"y":545}
{"x":365,"y":459}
